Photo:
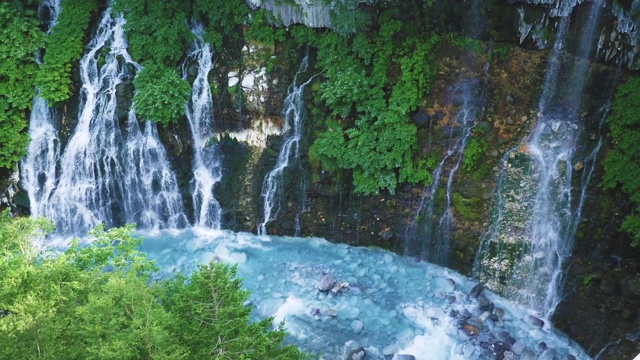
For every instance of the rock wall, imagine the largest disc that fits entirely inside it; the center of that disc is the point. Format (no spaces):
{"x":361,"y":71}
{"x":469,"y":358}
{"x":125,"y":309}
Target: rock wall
{"x":250,"y":89}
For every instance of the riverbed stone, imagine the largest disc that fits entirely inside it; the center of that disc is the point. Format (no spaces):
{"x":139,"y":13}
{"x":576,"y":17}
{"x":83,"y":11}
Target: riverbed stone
{"x":518,"y":348}
{"x":404,"y":357}
{"x":528,"y":354}
{"x":533,"y":321}
{"x":356,"y":354}
{"x":356,"y":326}
{"x":326,"y":283}
{"x":476,"y":290}
{"x":470,"y":330}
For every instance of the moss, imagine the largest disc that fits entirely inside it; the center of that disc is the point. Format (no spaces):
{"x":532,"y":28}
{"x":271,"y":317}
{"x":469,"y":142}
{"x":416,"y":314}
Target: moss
{"x":467,"y":208}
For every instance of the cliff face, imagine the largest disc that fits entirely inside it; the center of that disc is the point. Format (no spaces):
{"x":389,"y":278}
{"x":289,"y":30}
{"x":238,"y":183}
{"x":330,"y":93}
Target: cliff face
{"x":503,"y":75}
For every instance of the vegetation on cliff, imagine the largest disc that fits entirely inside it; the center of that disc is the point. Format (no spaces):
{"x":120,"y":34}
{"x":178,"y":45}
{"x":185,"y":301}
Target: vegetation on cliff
{"x":98,"y":301}
{"x":20,"y":38}
{"x":64,"y":46}
{"x":622,"y":164}
{"x":372,"y":81}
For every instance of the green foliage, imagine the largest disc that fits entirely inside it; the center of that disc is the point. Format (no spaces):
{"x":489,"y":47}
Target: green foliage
{"x":158,"y":37}
{"x":98,"y":302}
{"x":466,"y":43}
{"x":262,"y":31}
{"x":500,"y":53}
{"x":20,"y":38}
{"x":622,"y":164}
{"x":210,"y":319}
{"x":160,"y":94}
{"x":223,"y":20}
{"x":466,"y":207}
{"x":373,"y":81}
{"x":475,"y":149}
{"x":156,"y":30}
{"x":64,"y":46}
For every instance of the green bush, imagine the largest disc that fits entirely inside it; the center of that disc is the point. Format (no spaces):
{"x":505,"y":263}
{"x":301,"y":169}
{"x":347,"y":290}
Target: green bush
{"x":98,"y":302}
{"x":63,"y":48}
{"x":156,"y":30}
{"x":20,"y":38}
{"x":158,"y":38}
{"x":373,"y":80}
{"x":475,"y":149}
{"x":622,"y":163}
{"x":160,"y":94}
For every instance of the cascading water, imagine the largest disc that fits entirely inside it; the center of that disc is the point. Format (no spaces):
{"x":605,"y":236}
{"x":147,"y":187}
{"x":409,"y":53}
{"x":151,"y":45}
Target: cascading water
{"x":207,"y":167}
{"x":422,"y":238}
{"x":152,"y":199}
{"x":537,"y":214}
{"x":293,"y":113}
{"x":106,"y":177}
{"x":39,"y":166}
{"x":428,"y":236}
{"x":87,"y":190}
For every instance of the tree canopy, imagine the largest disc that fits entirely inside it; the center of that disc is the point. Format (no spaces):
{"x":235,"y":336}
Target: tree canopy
{"x":98,"y":301}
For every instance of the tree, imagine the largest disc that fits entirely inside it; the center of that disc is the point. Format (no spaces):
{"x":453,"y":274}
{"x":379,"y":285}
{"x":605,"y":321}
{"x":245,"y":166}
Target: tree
{"x":98,"y":301}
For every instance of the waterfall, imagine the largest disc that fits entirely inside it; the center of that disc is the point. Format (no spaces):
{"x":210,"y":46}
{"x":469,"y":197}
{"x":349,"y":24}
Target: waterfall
{"x":87,"y":190}
{"x":537,"y":214}
{"x":106,"y":176}
{"x":293,"y":113}
{"x":39,"y":166}
{"x":429,"y":235}
{"x":152,"y":199}
{"x":207,"y":166}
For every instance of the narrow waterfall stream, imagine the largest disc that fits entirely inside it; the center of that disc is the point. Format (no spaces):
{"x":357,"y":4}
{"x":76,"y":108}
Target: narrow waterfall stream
{"x":538,"y":207}
{"x":429,"y":235}
{"x":207,"y":170}
{"x":293,"y":113}
{"x":39,"y":166}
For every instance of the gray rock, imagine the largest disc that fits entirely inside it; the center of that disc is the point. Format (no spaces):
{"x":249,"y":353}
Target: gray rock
{"x":421,"y":119}
{"x":356,"y":326}
{"x":508,"y":355}
{"x":509,"y":99}
{"x":533,"y":321}
{"x":326,"y":283}
{"x":386,"y":235}
{"x":548,"y":354}
{"x":476,"y":290}
{"x":542,"y":346}
{"x":607,"y":286}
{"x":404,"y":357}
{"x":470,"y":330}
{"x":528,"y":354}
{"x":518,"y":348}
{"x":356,"y":354}
{"x":475,"y":322}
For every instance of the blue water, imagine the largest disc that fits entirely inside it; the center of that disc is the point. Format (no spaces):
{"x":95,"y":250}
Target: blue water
{"x":402,"y":306}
